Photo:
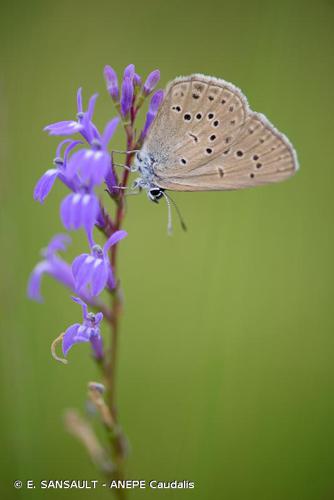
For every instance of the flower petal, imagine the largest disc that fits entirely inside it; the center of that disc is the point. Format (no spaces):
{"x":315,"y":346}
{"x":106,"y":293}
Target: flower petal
{"x":82,"y":304}
{"x":91,"y":165}
{"x":99,"y":276}
{"x":44,"y":185}
{"x":136,"y":80}
{"x":76,"y":264}
{"x":97,"y":346}
{"x":69,"y":149}
{"x":79,"y":210}
{"x":112,"y":82}
{"x":52,"y":265}
{"x":90,"y":210}
{"x":151,"y":82}
{"x":114,"y":238}
{"x":58,"y":242}
{"x":91,"y":106}
{"x":156,"y":100}
{"x":34,"y":284}
{"x":73,"y":165}
{"x":60,"y":147}
{"x":109,"y":132}
{"x":79,"y":100}
{"x":76,"y":210}
{"x":98,"y":318}
{"x":111,"y":180}
{"x":70,"y":338}
{"x":62,"y":272}
{"x":127,"y":95}
{"x":111,"y":279}
{"x":84,"y":333}
{"x":89,"y":131}
{"x":66,"y":212}
{"x":67,"y":127}
{"x":82,"y":270}
{"x":129,"y":71}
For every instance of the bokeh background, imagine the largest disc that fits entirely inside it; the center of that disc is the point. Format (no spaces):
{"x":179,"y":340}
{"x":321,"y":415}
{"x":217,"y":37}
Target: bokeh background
{"x":226,"y":363}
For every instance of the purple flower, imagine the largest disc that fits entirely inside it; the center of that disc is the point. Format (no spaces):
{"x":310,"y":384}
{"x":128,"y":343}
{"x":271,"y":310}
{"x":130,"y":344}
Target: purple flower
{"x":151,"y":82}
{"x":129,"y":72}
{"x":79,"y":209}
{"x":94,"y":269}
{"x":45,"y":183}
{"x":88,"y":331}
{"x":53,"y":265}
{"x":156,"y":100}
{"x":112,"y":181}
{"x":82,"y":124}
{"x":136,"y":80}
{"x":112,"y":82}
{"x":92,"y":165}
{"x":127,"y":95}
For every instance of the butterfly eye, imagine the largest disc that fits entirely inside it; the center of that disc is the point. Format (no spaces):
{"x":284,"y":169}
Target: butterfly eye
{"x":155,"y":194}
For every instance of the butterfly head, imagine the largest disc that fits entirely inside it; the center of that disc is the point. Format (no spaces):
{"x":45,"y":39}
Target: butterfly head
{"x":144,"y":164}
{"x":155,"y":194}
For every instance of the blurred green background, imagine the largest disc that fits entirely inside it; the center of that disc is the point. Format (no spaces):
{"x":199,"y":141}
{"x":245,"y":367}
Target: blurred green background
{"x":226,"y":363}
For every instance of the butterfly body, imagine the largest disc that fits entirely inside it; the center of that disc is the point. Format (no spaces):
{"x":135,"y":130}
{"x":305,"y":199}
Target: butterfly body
{"x":144,"y":164}
{"x":205,"y":137}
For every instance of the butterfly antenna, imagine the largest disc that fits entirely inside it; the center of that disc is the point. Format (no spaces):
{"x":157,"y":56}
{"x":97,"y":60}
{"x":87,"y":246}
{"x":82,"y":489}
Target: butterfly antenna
{"x":169,"y":223}
{"x":182,"y":223}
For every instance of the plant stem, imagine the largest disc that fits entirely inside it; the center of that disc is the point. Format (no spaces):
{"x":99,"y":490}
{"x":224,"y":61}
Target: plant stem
{"x":115,"y":434}
{"x":116,"y":301}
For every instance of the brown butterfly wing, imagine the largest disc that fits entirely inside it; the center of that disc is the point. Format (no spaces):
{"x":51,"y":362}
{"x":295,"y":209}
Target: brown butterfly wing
{"x":206,"y":138}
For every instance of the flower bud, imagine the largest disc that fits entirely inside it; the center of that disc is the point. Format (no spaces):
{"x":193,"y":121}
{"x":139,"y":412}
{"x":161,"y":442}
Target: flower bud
{"x":151,"y":82}
{"x":129,"y":71}
{"x":112,"y":82}
{"x":137,"y":80}
{"x":127,"y":96}
{"x":156,"y":100}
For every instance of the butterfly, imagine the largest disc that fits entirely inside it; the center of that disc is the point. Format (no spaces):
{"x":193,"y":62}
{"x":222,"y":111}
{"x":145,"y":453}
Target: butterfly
{"x":205,"y":137}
